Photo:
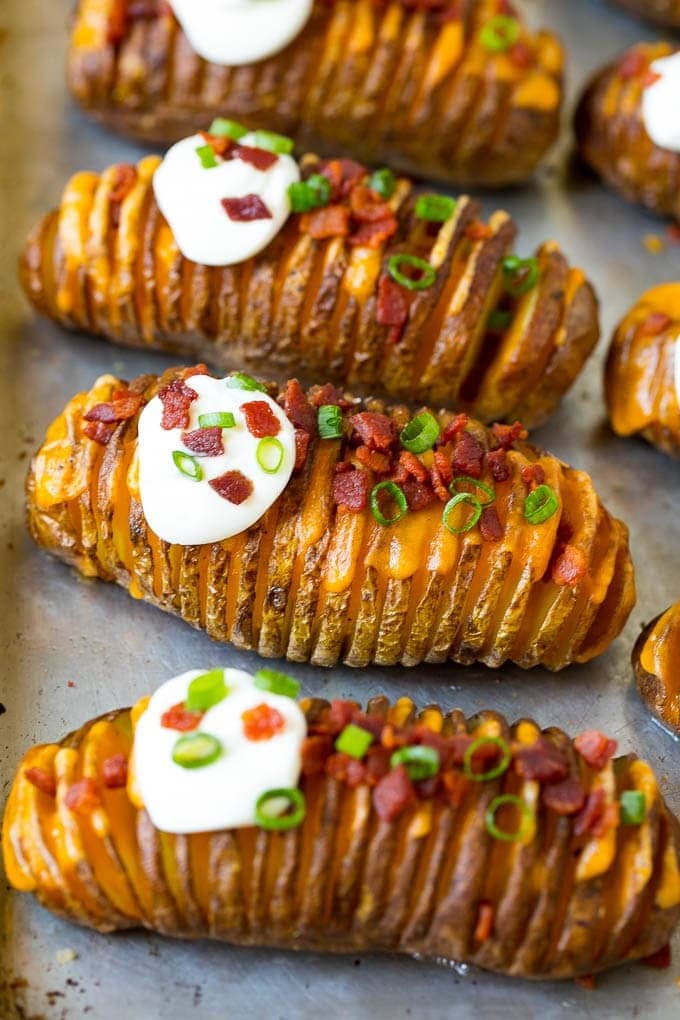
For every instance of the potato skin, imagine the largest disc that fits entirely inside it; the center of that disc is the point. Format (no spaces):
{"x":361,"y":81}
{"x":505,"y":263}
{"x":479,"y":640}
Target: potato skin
{"x":656,"y":662}
{"x":612,"y":139}
{"x":376,"y":81}
{"x":661,"y":12}
{"x":313,"y":584}
{"x":640,"y":388}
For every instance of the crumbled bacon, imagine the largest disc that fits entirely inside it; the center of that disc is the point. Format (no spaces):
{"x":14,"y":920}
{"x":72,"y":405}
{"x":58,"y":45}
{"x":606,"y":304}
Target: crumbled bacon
{"x":82,"y":797}
{"x":654,"y":324}
{"x":468,"y":455}
{"x":262,"y":722}
{"x":418,"y":495}
{"x":651,"y":78}
{"x":343,"y":175}
{"x":377,"y":762}
{"x":484,"y":926}
{"x":378,"y":462}
{"x":595,"y":748}
{"x":351,"y":489}
{"x":541,"y":761}
{"x":122,"y":406}
{"x":232,"y":486}
{"x":455,"y":787}
{"x":302,"y":441}
{"x":443,"y":466}
{"x":457,"y":425}
{"x":521,"y":56}
{"x":298,"y":408}
{"x":367,"y":205}
{"x":221,"y":146}
{"x":261,"y":159}
{"x":260,"y":419}
{"x":246,"y":209}
{"x":99,"y":431}
{"x":507,"y":435}
{"x":478,"y":231}
{"x":411,"y":465}
{"x":661,"y":959}
{"x":596,"y":817}
{"x":497,"y":463}
{"x":204,"y":442}
{"x":115,"y":771}
{"x":393,"y":306}
{"x":176,"y":398}
{"x":315,"y":751}
{"x":345,"y":768}
{"x":42,"y":780}
{"x":329,"y":394}
{"x":438,"y":484}
{"x":328,"y":221}
{"x":393,"y":794}
{"x":569,"y":567}
{"x":180,"y":718}
{"x":373,"y":234}
{"x":376,"y":431}
{"x":339,"y":714}
{"x":489,"y":525}
{"x":566,"y":797}
{"x":633,"y":64}
{"x":533,"y":475}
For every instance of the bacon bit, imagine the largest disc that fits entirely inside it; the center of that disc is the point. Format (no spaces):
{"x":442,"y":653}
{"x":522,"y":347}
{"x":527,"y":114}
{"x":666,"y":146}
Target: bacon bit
{"x":232,"y":486}
{"x":329,"y":221}
{"x":42,"y":780}
{"x":507,"y":435}
{"x":632,"y":64}
{"x":340,"y":714}
{"x":596,"y":817}
{"x":220,"y":146}
{"x":378,"y":462}
{"x":443,"y":466}
{"x":204,"y":442}
{"x":651,"y":78}
{"x":180,"y":718}
{"x":200,"y":369}
{"x":115,"y":771}
{"x":438,"y":484}
{"x":261,"y":159}
{"x":342,"y":175}
{"x":315,"y":751}
{"x":586,"y":981}
{"x":376,"y":431}
{"x":393,"y":305}
{"x":99,"y":431}
{"x":457,"y":425}
{"x":661,"y":959}
{"x":569,"y":567}
{"x":351,"y":489}
{"x":82,"y":797}
{"x":484,"y":926}
{"x":566,"y":797}
{"x":654,"y":324}
{"x":418,"y":495}
{"x":490,"y":526}
{"x":375,"y":233}
{"x":542,"y":761}
{"x":468,"y":455}
{"x":176,"y":398}
{"x":246,"y":209}
{"x":533,"y":475}
{"x":393,"y":794}
{"x":345,"y":769}
{"x":302,"y":441}
{"x":412,"y":465}
{"x":330,"y":394}
{"x":455,"y":787}
{"x":367,"y":206}
{"x":595,"y":748}
{"x":124,"y":182}
{"x":521,"y":56}
{"x":497,"y":464}
{"x":262,"y":722}
{"x":377,"y":762}
{"x":260,"y":419}
{"x":122,"y":406}
{"x":298,"y":408}
{"x":478,"y":231}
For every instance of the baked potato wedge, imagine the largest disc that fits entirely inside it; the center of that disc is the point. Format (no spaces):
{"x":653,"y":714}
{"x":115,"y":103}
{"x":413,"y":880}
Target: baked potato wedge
{"x":661,"y":12}
{"x":312,"y":581}
{"x":612,"y":137}
{"x":106,"y":262}
{"x":642,"y":374}
{"x":656,"y":658}
{"x":580,"y":885}
{"x":408,"y":84}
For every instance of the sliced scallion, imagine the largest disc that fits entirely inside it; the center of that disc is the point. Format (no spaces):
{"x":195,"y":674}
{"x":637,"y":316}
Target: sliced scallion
{"x":633,"y":807}
{"x":269,"y":812}
{"x":269,"y":454}
{"x":206,"y":154}
{"x":499,"y":319}
{"x":425,"y":280}
{"x":310,"y":194}
{"x":187,"y":465}
{"x":467,"y":499}
{"x":272,"y":142}
{"x":329,"y":421}
{"x":526,"y":824}
{"x":495,"y":770}
{"x":540,"y":504}
{"x":476,"y":484}
{"x":194,"y":750}
{"x":383,"y":181}
{"x":500,"y":33}
{"x":276,"y":683}
{"x":396,"y":494}
{"x":206,"y":690}
{"x":216,"y":419}
{"x":421,"y":433}
{"x":421,"y":761}
{"x":520,"y":275}
{"x":241,"y":381}
{"x":435,"y":208}
{"x":354,"y":741}
{"x":222,"y":127}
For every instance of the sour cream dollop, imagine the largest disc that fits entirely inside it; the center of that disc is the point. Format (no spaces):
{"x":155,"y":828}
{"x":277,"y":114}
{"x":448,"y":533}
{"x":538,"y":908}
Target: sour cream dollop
{"x":232,"y":32}
{"x":190,"y":197}
{"x":223,"y":793}
{"x":661,"y":104}
{"x":184,"y":511}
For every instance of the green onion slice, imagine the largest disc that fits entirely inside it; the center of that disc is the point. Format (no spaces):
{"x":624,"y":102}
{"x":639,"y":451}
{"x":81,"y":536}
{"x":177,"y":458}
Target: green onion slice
{"x":354,"y":741}
{"x":633,"y":807}
{"x":241,"y":381}
{"x":471,"y":501}
{"x":206,"y":154}
{"x":269,"y":813}
{"x":520,"y":275}
{"x":526,"y":824}
{"x":421,"y":433}
{"x":272,"y":142}
{"x":269,"y":454}
{"x":421,"y":761}
{"x":276,"y":683}
{"x":206,"y":690}
{"x":310,"y":194}
{"x":426,"y":279}
{"x":222,"y":127}
{"x":500,"y":33}
{"x":435,"y":208}
{"x":496,"y":770}
{"x":540,"y":504}
{"x":498,"y":320}
{"x":216,"y":419}
{"x":194,"y":750}
{"x":395,"y":493}
{"x":383,"y":181}
{"x":476,"y":484}
{"x":187,"y":465}
{"x":329,"y":421}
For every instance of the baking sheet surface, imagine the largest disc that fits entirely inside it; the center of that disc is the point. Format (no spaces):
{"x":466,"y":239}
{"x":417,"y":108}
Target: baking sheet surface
{"x":71,"y":649}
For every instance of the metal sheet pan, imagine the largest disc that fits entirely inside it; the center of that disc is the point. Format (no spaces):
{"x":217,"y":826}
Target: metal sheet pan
{"x":72,"y":649}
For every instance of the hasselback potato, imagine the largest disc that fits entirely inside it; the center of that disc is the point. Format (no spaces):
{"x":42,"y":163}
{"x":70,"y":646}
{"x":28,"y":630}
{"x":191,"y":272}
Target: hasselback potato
{"x":479,"y":340}
{"x":318,"y":577}
{"x":642,"y":376}
{"x":410,"y":84}
{"x":656,"y":661}
{"x":612,"y":136}
{"x":589,"y":878}
{"x":663,"y":12}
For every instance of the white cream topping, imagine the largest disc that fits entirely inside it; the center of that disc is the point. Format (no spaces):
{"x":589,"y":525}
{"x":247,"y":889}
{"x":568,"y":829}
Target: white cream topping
{"x":232,"y":32}
{"x":222,"y":794}
{"x":188,"y":512}
{"x":190,"y":198}
{"x":661,"y":104}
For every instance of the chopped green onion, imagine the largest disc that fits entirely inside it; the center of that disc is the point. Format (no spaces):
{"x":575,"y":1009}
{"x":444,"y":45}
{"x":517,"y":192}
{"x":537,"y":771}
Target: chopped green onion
{"x":310,"y":194}
{"x":499,"y":319}
{"x":206,"y":690}
{"x":277,"y":683}
{"x":216,"y":419}
{"x":329,"y":421}
{"x":397,"y":494}
{"x":241,"y":381}
{"x":269,"y":454}
{"x":520,"y":275}
{"x":421,"y":761}
{"x":421,"y":433}
{"x":496,"y":770}
{"x":224,"y":128}
{"x":540,"y":504}
{"x":429,"y":274}
{"x":526,"y":825}
{"x":272,"y":817}
{"x":633,"y":807}
{"x":354,"y":741}
{"x":188,"y":465}
{"x":500,"y":33}
{"x":475,"y":483}
{"x":194,"y":750}
{"x":206,"y":154}
{"x":383,"y":181}
{"x":435,"y":208}
{"x":272,"y":142}
{"x":469,"y":500}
